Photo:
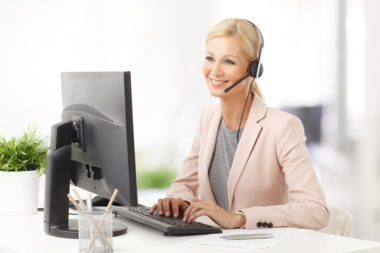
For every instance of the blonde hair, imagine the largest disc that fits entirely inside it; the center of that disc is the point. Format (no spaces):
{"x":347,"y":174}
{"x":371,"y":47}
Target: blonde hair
{"x":246,"y":34}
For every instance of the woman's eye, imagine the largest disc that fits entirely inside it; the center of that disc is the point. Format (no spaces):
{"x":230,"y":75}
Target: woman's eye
{"x":229,"y":62}
{"x":209,"y":58}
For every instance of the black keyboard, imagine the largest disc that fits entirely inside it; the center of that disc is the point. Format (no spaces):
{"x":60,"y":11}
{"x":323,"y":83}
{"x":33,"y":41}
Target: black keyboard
{"x":168,"y":225}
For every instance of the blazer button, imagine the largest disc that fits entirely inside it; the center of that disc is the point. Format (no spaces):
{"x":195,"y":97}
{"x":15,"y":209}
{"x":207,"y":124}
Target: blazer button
{"x":259,"y":224}
{"x":265,"y":224}
{"x":270,"y":225}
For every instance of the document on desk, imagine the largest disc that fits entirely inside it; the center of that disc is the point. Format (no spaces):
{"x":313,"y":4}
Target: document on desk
{"x":279,"y":235}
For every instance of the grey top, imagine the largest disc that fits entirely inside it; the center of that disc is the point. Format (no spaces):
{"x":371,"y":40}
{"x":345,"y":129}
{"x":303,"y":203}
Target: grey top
{"x":221,"y":163}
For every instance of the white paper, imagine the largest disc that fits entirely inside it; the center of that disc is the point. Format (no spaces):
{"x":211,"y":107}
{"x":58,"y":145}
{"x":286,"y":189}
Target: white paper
{"x":279,"y":235}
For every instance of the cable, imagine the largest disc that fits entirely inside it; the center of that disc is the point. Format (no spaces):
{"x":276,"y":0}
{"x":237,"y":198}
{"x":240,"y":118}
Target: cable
{"x":245,"y":104}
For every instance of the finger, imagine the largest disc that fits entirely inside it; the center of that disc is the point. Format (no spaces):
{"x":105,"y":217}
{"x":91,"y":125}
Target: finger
{"x":166,"y":205}
{"x":175,"y":206}
{"x":197,"y":214}
{"x":190,"y":210}
{"x":154,"y":207}
{"x":160,"y":207}
{"x":183,"y":206}
{"x":195,"y":209}
{"x":187,"y":211}
{"x":196,"y":199}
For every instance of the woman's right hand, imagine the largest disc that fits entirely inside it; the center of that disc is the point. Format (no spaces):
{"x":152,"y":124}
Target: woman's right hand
{"x":170,"y":206}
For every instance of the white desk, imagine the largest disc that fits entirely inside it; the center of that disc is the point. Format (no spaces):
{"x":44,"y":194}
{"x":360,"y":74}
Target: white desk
{"x":24,"y":234}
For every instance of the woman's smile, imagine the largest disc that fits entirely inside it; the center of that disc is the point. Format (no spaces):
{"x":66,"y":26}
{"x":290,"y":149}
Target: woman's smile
{"x":217,"y":83}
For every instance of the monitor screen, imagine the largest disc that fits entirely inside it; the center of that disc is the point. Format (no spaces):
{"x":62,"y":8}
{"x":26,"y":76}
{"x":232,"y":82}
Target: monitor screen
{"x":311,"y":118}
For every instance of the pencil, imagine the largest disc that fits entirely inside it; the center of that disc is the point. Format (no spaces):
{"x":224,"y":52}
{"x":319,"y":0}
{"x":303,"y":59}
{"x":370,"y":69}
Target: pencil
{"x":92,"y":219}
{"x":73,"y":201}
{"x":103,"y":218}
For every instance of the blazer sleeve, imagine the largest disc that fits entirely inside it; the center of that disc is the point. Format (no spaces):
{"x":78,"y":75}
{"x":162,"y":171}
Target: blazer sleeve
{"x":186,"y":184}
{"x":306,"y":206}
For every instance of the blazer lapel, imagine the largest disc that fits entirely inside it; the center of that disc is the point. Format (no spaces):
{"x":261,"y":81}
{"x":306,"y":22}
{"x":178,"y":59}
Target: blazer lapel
{"x":246,"y":144}
{"x":207,"y":153}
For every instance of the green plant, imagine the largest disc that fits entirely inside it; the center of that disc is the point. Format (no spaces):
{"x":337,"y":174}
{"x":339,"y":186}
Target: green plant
{"x":158,"y":178}
{"x":24,"y":153}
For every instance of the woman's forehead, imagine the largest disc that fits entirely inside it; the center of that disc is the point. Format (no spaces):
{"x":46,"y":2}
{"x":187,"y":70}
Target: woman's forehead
{"x":225,"y":46}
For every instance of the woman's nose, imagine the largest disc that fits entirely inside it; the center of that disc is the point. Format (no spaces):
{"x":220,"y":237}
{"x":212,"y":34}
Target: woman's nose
{"x":216,"y":70}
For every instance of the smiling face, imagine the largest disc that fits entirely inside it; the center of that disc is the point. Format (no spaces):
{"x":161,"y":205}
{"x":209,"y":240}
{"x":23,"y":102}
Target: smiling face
{"x":225,"y":63}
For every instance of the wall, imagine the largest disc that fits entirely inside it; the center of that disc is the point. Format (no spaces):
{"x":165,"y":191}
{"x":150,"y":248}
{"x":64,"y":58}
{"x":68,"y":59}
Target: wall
{"x":368,"y":167}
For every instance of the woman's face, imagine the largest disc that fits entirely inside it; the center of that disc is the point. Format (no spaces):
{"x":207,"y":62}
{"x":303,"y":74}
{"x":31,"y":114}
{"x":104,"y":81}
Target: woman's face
{"x":224,"y":64}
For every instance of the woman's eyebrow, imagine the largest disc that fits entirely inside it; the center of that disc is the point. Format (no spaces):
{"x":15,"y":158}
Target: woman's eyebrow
{"x":227,"y":55}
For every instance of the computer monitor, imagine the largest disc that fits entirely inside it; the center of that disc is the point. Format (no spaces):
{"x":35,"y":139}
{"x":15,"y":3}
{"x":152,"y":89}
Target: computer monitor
{"x":311,"y":118}
{"x":92,"y":147}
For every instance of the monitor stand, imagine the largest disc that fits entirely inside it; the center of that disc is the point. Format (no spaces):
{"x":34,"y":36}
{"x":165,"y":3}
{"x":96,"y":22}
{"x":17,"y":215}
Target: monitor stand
{"x":59,"y":167}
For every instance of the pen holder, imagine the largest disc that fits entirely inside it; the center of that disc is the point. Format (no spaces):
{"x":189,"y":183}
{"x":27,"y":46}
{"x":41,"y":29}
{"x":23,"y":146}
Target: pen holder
{"x":88,"y":224}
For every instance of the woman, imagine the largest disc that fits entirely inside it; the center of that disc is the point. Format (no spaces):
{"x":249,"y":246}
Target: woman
{"x":248,"y":166}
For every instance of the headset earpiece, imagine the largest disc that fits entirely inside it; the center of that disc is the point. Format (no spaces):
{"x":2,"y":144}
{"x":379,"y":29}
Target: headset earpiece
{"x":254,"y":67}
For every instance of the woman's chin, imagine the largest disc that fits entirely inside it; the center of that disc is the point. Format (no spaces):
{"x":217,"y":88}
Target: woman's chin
{"x":217,"y":93}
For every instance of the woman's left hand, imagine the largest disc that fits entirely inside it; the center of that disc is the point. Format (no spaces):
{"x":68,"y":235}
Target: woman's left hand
{"x":214,"y":212}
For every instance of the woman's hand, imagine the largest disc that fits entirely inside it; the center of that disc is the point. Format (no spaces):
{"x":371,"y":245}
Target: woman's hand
{"x":170,"y":206}
{"x":214,"y":212}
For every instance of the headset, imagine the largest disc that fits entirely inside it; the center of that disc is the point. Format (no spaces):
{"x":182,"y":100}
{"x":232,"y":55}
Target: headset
{"x":256,"y":68}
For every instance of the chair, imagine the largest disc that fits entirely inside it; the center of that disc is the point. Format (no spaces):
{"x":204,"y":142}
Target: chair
{"x":340,"y":222}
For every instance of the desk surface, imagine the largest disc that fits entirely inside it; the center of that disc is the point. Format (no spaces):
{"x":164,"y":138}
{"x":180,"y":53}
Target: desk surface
{"x":25,"y":234}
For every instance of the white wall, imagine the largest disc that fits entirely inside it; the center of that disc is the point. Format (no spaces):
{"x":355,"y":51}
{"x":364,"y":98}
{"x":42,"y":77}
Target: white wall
{"x":155,"y":40}
{"x":367,"y":169}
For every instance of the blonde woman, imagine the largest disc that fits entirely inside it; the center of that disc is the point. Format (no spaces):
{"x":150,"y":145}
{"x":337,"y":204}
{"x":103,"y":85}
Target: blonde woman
{"x":248,"y":166}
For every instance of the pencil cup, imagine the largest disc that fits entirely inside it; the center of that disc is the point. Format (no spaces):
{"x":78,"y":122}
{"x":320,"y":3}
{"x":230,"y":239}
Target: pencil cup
{"x":95,"y":231}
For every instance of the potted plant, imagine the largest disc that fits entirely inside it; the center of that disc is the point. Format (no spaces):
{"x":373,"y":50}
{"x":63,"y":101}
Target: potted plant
{"x":22,"y":160}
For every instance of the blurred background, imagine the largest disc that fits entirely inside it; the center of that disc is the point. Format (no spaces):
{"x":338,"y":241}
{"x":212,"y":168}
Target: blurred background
{"x":321,"y":62}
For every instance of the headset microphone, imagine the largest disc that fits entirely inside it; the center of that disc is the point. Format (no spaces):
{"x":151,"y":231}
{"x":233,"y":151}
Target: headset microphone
{"x":238,"y":81}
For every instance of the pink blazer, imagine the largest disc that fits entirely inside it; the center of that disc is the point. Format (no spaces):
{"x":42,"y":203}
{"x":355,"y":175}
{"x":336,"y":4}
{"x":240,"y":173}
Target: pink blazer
{"x":272,"y":179}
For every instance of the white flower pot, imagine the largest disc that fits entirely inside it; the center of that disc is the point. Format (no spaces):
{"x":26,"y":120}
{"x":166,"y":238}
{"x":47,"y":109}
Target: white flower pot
{"x":18,"y":192}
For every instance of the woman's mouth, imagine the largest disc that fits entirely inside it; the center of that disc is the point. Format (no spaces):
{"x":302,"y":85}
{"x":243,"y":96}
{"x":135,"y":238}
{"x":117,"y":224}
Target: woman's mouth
{"x":217,"y":83}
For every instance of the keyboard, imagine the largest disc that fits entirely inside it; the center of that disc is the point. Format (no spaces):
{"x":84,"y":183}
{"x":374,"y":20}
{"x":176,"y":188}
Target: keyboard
{"x":168,"y":225}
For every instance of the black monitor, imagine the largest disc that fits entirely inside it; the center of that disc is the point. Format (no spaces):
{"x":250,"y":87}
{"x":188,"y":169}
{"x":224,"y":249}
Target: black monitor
{"x":92,"y":147}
